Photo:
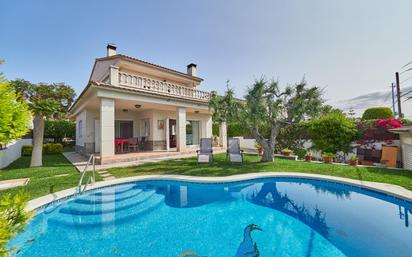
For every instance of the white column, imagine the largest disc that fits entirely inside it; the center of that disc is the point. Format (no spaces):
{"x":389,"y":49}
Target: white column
{"x":208,"y":127}
{"x":167,"y":134}
{"x":114,"y":75}
{"x":223,"y":134}
{"x":181,"y":129}
{"x":106,"y":127}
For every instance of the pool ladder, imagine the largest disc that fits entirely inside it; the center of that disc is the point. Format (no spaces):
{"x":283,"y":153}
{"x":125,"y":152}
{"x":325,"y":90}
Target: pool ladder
{"x":92,"y":179}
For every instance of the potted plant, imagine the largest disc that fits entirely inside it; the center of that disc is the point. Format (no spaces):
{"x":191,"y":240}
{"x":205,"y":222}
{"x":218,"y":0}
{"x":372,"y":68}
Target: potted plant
{"x":286,"y":152}
{"x":328,"y":157}
{"x":353,"y":161}
{"x":259,"y":148}
{"x":308,"y":156}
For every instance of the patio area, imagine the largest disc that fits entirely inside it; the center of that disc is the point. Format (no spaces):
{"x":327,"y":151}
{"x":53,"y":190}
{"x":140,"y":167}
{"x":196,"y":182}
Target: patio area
{"x":132,"y":158}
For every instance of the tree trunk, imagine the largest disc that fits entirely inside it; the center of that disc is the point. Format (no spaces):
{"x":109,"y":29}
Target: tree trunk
{"x":267,"y":153}
{"x":38,"y":133}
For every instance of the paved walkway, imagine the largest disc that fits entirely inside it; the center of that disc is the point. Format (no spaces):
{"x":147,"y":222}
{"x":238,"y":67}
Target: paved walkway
{"x":79,"y":161}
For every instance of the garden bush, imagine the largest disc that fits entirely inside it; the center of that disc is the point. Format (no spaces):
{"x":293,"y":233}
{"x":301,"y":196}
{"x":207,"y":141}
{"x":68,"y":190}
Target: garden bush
{"x":26,"y":150}
{"x":13,"y":218}
{"x":59,"y":129}
{"x":377,"y":113}
{"x":52,"y":148}
{"x":47,"y":149}
{"x":333,"y":133}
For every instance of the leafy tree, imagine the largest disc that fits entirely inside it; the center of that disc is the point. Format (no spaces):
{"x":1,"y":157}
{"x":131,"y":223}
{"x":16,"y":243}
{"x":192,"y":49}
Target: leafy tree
{"x":45,"y":101}
{"x":377,"y":113}
{"x":13,"y":218}
{"x":267,"y":109}
{"x":59,"y":129}
{"x":14,"y":114}
{"x":333,"y":133}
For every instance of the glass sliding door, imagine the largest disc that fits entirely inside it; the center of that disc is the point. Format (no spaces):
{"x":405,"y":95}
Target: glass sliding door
{"x":192,"y":132}
{"x":123,"y":129}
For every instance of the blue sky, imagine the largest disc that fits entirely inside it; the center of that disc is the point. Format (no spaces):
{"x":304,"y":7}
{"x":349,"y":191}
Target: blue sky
{"x":349,"y":47}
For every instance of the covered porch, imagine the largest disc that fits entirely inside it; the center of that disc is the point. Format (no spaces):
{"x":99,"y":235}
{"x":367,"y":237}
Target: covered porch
{"x":123,"y":127}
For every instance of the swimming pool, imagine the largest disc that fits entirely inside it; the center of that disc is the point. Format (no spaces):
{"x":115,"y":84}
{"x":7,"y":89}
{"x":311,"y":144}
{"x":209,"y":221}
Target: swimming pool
{"x":261,"y":217}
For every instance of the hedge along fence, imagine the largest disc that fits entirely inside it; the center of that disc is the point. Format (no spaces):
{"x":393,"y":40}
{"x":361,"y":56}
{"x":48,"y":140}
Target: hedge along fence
{"x":47,"y":149}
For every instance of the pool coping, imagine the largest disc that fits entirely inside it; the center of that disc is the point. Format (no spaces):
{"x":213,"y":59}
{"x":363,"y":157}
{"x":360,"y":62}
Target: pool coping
{"x":389,"y":189}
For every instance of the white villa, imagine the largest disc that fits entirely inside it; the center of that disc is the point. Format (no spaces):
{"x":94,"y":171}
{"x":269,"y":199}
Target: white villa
{"x":130,"y":98}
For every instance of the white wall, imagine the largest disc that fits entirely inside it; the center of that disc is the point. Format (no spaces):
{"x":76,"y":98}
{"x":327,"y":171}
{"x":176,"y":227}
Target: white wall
{"x":80,"y":128}
{"x":12,"y":152}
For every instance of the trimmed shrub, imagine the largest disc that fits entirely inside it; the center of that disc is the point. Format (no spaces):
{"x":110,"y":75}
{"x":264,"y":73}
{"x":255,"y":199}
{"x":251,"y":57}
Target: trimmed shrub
{"x":26,"y":150}
{"x":377,"y":113}
{"x":52,"y":148}
{"x":333,"y":133}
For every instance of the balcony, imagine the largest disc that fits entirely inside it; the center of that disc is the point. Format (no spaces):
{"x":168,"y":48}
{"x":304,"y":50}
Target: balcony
{"x":159,"y":87}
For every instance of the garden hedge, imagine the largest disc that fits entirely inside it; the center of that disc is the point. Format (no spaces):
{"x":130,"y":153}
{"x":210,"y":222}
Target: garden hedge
{"x":377,"y":113}
{"x":26,"y":150}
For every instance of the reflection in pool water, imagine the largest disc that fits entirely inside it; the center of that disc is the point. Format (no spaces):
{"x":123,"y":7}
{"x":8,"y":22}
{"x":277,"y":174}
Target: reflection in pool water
{"x":165,"y":218}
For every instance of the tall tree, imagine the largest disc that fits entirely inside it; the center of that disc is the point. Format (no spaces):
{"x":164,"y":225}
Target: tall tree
{"x":267,"y":109}
{"x":45,"y":101}
{"x":14,"y":114}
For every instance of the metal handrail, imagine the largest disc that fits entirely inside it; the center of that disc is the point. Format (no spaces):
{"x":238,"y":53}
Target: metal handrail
{"x":92,"y":179}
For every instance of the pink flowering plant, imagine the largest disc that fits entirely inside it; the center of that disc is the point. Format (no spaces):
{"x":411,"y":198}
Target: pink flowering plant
{"x":373,"y":131}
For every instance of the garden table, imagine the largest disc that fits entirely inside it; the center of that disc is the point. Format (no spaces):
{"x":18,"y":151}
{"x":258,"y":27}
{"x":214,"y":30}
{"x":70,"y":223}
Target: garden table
{"x":120,"y":142}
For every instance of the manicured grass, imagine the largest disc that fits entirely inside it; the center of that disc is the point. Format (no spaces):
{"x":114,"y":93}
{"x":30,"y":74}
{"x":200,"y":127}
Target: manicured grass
{"x":43,"y":180}
{"x":221,"y":167}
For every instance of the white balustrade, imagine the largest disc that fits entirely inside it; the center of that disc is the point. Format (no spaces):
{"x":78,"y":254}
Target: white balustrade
{"x":161,"y":87}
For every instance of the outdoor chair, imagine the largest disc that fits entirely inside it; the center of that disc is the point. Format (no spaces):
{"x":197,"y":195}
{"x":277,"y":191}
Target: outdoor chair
{"x":133,"y":144}
{"x":205,"y":154}
{"x":234,"y":153}
{"x":142,"y":143}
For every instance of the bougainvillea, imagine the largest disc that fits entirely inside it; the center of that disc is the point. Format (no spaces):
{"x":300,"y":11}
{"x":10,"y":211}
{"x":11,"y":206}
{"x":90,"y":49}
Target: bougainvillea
{"x":377,"y":131}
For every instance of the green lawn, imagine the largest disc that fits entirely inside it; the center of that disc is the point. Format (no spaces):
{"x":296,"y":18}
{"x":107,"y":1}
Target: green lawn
{"x":43,"y":180}
{"x":221,"y":167}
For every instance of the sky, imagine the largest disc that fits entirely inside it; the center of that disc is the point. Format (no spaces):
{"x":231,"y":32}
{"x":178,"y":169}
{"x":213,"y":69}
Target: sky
{"x":349,"y":48}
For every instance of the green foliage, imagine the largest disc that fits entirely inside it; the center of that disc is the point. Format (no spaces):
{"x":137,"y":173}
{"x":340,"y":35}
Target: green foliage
{"x":13,"y":218}
{"x":377,"y":113}
{"x":328,"y":155}
{"x":236,"y":129}
{"x":47,"y":100}
{"x":14,"y":115}
{"x":26,"y":150}
{"x":52,"y":148}
{"x":406,"y":121}
{"x":225,"y":108}
{"x":333,"y":132}
{"x":59,"y":129}
{"x":268,"y":109}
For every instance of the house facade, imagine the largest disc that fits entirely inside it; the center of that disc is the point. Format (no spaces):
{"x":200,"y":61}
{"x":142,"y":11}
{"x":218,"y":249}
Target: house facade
{"x":130,"y":98}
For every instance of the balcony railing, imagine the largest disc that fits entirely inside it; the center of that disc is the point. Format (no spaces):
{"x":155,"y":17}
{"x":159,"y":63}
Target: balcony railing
{"x":161,"y":88}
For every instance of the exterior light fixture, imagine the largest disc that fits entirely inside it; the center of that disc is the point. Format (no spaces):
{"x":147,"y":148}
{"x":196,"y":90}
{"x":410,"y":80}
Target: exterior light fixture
{"x":137,"y":106}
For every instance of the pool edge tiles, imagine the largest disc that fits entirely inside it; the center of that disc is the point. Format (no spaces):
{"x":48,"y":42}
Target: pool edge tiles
{"x":388,"y":189}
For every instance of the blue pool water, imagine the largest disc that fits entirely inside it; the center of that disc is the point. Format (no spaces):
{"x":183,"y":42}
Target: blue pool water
{"x":264,"y":217}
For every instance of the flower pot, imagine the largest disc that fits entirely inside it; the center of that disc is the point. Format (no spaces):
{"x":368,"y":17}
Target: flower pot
{"x":260,"y":151}
{"x":353,"y":162}
{"x":327,"y":159}
{"x":286,"y":153}
{"x":308,"y":158}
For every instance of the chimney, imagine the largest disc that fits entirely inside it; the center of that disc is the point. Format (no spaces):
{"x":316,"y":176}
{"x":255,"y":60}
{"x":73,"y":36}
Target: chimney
{"x":192,"y":69}
{"x":111,"y":49}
